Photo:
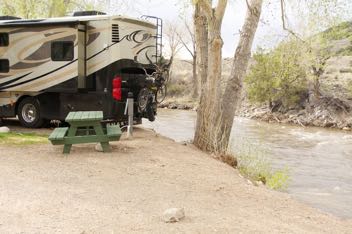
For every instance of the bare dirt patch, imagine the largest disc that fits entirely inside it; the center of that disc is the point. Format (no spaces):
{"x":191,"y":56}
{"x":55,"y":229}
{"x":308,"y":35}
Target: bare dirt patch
{"x":127,"y":191}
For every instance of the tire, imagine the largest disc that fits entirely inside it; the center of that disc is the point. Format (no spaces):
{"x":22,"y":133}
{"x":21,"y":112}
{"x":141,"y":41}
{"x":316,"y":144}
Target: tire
{"x":143,"y":99}
{"x":28,"y":113}
{"x":161,"y":94}
{"x":150,"y":111}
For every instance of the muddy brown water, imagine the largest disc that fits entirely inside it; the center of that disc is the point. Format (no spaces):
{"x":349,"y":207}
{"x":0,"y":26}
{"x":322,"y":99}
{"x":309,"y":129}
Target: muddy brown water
{"x":319,"y":160}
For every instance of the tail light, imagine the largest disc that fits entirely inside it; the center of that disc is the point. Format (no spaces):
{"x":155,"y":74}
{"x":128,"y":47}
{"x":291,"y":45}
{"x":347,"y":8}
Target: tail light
{"x":116,"y":88}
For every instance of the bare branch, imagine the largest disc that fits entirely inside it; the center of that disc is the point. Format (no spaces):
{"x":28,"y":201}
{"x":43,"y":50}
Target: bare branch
{"x":283,"y":19}
{"x":220,"y":9}
{"x":187,"y":61}
{"x":185,"y":44}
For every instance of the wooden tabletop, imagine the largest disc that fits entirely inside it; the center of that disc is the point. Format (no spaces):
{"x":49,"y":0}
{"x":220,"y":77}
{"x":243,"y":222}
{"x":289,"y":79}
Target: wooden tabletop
{"x":81,"y":116}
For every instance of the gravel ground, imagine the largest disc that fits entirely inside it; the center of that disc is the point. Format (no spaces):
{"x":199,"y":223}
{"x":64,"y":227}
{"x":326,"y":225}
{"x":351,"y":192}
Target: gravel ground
{"x":127,"y":191}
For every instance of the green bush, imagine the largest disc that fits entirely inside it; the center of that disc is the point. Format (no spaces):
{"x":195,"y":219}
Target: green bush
{"x":277,"y":76}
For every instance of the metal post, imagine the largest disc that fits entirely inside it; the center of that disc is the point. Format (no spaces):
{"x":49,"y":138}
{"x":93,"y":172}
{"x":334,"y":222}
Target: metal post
{"x":129,"y":112}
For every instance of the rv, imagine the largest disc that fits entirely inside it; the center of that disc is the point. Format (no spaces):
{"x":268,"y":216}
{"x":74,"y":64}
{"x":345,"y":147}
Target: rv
{"x":87,"y":62}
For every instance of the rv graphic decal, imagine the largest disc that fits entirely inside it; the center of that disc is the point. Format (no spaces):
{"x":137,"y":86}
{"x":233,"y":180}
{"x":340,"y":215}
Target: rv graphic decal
{"x":139,"y":36}
{"x":26,"y":81}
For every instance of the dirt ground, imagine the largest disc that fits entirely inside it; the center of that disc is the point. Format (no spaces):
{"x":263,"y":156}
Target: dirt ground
{"x":127,"y":190}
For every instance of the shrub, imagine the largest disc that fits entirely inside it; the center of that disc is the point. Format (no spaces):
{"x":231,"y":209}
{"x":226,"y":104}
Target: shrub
{"x":277,"y":76}
{"x":279,"y":180}
{"x":254,"y":164}
{"x":175,"y":89}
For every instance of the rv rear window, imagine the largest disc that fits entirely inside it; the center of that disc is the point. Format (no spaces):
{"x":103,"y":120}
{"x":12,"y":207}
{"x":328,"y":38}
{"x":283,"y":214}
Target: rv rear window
{"x":4,"y":65}
{"x":62,"y":51}
{"x":4,"y":39}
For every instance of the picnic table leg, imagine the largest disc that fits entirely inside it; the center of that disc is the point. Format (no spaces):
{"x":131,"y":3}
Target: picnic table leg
{"x":99,"y":132}
{"x":71,"y":132}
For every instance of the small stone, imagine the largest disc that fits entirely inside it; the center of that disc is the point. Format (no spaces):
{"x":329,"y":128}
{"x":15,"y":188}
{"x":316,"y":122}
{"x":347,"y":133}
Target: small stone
{"x":99,"y":148}
{"x":4,"y":130}
{"x":173,"y":215}
{"x":346,"y":129}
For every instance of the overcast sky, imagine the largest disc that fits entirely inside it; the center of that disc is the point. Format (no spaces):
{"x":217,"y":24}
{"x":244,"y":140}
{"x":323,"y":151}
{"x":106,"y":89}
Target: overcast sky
{"x":269,"y":32}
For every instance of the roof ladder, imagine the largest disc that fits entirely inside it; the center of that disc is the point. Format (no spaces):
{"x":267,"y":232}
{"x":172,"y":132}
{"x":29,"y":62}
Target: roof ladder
{"x":158,"y":36}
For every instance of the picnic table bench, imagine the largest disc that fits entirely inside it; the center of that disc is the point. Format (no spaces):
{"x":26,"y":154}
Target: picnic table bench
{"x":85,"y":127}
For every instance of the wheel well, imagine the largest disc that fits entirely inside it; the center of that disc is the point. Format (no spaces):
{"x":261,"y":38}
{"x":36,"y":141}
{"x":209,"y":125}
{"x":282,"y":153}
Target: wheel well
{"x":19,"y":101}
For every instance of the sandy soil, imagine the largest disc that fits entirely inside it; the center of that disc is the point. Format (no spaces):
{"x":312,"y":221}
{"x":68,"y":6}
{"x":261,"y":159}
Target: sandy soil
{"x":127,"y":190}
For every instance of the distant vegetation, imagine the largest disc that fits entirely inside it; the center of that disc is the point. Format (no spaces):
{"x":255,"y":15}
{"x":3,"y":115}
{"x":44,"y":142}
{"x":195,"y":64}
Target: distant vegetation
{"x":286,"y":75}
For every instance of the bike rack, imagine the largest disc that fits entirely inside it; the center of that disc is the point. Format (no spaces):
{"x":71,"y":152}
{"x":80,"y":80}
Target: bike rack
{"x":158,"y":36}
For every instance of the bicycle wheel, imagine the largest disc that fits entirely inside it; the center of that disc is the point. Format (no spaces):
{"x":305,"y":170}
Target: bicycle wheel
{"x":143,"y":99}
{"x":161,"y":94}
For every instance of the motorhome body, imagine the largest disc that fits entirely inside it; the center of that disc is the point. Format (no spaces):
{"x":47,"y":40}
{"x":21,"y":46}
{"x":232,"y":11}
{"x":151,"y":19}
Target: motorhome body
{"x":49,"y":67}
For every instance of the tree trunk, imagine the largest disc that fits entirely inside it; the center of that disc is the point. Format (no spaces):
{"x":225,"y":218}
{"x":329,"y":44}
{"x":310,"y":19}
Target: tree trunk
{"x":232,"y":95}
{"x":208,"y":111}
{"x":195,"y":76}
{"x":201,"y":35}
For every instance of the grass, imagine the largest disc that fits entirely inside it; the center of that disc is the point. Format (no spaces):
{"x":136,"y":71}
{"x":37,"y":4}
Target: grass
{"x":14,"y":138}
{"x":254,"y":164}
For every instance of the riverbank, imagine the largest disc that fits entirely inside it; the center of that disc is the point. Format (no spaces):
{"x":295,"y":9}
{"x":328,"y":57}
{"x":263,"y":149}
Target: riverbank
{"x":326,"y":114}
{"x":128,"y":189}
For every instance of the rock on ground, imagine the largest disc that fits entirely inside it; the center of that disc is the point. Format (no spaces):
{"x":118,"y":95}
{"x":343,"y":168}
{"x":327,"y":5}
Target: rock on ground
{"x":173,"y":215}
{"x":4,"y":130}
{"x":98,"y":148}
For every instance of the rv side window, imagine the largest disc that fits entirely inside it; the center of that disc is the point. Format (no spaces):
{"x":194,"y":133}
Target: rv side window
{"x":4,"y":39}
{"x":4,"y":65}
{"x":62,"y":51}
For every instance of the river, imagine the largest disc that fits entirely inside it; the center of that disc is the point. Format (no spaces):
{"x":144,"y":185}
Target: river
{"x":319,"y":160}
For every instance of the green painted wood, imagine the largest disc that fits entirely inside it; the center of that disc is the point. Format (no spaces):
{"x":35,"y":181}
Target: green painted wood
{"x":99,"y":115}
{"x":57,"y":136}
{"x":105,"y":146}
{"x":82,"y":116}
{"x":85,"y":127}
{"x":85,"y":139}
{"x":85,"y":115}
{"x":71,"y":133}
{"x":69,"y":116}
{"x":114,"y":132}
{"x":86,"y":123}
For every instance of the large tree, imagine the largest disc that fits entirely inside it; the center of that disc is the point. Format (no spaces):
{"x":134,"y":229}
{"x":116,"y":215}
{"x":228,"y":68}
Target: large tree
{"x":217,"y":107}
{"x":31,"y":9}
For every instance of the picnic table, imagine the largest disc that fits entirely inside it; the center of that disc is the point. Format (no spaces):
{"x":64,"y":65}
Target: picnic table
{"x":85,"y":127}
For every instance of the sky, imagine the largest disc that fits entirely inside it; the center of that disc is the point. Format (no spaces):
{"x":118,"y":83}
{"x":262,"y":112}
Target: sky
{"x":269,"y":33}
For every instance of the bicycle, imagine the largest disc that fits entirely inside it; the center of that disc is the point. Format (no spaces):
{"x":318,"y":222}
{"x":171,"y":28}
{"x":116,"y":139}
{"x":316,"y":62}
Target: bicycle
{"x":154,"y":92}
